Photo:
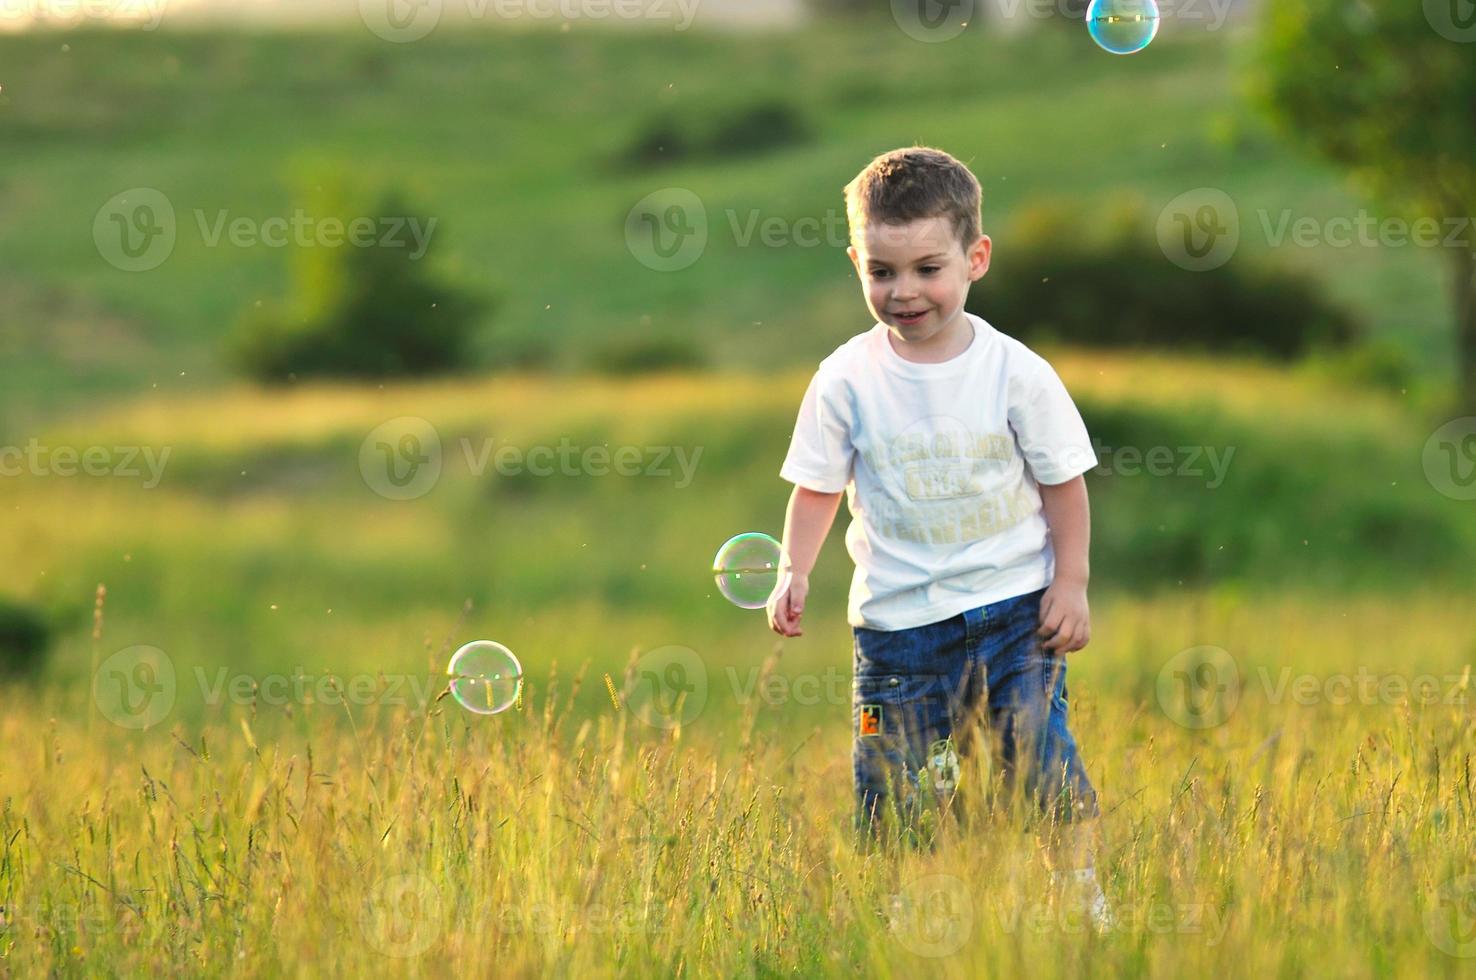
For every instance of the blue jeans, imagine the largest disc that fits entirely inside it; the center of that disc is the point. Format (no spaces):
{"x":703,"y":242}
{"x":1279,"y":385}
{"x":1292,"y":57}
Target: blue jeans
{"x":914,"y":688}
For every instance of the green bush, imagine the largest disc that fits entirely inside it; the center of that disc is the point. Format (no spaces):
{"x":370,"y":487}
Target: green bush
{"x":640,"y":355}
{"x":1053,"y":278}
{"x":1376,"y":364}
{"x":24,"y":638}
{"x":359,"y":311}
{"x":755,"y":127}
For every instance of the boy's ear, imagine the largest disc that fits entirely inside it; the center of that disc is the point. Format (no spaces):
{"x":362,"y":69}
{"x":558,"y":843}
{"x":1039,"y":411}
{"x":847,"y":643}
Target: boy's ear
{"x":979,"y":258}
{"x":855,"y":257}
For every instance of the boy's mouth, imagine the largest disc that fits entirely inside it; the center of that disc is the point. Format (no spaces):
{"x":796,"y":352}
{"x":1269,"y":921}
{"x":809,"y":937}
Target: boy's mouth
{"x":911,"y":317}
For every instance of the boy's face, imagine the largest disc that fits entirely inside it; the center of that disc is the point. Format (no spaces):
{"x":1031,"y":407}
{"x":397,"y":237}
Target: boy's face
{"x":918,"y":267}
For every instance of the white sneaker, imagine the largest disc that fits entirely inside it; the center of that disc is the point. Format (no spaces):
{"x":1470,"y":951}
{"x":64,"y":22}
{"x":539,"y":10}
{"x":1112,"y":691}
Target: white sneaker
{"x":1081,"y":890}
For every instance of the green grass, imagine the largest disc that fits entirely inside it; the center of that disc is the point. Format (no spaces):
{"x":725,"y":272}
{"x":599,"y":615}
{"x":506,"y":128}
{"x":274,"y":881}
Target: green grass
{"x":260,"y":826}
{"x":515,"y":166}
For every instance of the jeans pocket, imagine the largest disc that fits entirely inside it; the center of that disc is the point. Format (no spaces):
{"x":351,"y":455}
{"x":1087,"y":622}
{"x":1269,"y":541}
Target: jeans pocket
{"x":905,"y":706}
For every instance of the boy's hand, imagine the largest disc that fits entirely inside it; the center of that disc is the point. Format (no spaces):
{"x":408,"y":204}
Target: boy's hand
{"x":787,"y":603}
{"x":1065,"y":620}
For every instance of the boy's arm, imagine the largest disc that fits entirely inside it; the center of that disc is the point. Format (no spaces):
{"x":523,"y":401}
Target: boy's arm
{"x":806,"y":524}
{"x":1064,"y":616}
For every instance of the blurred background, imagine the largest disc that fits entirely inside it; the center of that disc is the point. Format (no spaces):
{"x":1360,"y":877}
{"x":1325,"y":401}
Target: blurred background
{"x":337,"y":334}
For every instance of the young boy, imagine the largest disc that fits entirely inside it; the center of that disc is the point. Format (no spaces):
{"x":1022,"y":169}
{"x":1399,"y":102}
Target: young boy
{"x":962,"y":458}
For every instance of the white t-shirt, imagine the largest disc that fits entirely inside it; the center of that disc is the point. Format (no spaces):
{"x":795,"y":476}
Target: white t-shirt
{"x":941,"y":465}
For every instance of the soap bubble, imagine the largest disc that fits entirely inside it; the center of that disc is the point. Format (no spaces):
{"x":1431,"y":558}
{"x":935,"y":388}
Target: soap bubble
{"x":485,"y":677}
{"x":747,"y":569}
{"x":1122,"y":26}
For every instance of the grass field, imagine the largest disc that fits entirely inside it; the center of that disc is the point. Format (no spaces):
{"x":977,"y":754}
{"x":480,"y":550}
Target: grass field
{"x":299,"y":801}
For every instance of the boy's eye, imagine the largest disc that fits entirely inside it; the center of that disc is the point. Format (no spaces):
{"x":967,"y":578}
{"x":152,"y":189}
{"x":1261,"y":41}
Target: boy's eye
{"x":882,"y":273}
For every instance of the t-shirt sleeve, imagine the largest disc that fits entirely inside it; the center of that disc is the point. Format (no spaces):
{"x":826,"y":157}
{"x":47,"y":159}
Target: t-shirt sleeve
{"x":1052,"y":437}
{"x":820,"y":452}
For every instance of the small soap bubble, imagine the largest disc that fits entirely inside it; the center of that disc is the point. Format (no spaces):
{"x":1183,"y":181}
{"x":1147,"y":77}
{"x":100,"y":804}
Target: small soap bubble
{"x":747,"y":569}
{"x":485,"y":677}
{"x":1122,"y":26}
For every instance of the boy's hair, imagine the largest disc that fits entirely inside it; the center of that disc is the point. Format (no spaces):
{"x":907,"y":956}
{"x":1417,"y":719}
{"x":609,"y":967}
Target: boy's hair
{"x":915,"y":182}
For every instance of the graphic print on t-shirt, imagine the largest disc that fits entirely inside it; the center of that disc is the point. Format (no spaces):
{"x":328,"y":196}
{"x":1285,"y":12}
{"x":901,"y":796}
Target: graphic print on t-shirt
{"x":942,"y":482}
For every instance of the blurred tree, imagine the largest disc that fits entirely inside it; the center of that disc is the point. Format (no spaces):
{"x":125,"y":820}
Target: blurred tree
{"x":1385,"y":88}
{"x":1057,"y":275}
{"x":370,"y":310}
{"x":24,"y":637}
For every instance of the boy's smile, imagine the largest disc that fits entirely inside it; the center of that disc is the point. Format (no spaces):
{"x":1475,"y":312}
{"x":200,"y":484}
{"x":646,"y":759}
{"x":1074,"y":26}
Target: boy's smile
{"x":916,"y":277}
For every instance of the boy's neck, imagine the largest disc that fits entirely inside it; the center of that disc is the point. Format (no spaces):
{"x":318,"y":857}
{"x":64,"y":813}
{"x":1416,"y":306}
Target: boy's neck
{"x":945,"y":345}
